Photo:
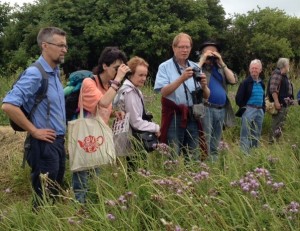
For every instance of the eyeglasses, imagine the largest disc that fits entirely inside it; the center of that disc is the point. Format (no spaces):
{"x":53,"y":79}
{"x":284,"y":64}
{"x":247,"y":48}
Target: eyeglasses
{"x":61,"y":46}
{"x":183,"y":47}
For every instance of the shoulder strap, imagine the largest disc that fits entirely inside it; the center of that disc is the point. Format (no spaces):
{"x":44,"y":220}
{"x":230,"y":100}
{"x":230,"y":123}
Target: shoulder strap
{"x":42,"y":91}
{"x":120,"y":92}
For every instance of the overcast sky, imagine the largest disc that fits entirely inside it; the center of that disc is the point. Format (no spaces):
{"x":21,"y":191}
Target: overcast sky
{"x":291,"y":7}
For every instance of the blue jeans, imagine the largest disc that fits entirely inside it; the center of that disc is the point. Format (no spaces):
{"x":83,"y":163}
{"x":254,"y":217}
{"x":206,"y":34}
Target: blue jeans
{"x":213,"y":125}
{"x":185,"y":140}
{"x":80,"y":183}
{"x":252,"y":121}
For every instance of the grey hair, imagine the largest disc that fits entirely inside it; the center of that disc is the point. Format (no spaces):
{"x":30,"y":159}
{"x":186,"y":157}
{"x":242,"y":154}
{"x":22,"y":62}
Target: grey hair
{"x":282,"y":62}
{"x":46,"y":34}
{"x":256,"y":61}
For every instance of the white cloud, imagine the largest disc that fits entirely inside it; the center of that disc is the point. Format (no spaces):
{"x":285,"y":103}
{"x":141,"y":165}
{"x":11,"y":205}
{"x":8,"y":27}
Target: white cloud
{"x":291,"y":7}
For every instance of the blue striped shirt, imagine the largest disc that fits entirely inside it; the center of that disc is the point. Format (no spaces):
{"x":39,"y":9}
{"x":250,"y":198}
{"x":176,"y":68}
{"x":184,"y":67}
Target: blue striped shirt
{"x":257,"y":95}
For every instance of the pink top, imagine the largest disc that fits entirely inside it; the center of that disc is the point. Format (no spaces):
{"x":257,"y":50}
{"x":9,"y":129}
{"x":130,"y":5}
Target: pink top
{"x":92,"y":92}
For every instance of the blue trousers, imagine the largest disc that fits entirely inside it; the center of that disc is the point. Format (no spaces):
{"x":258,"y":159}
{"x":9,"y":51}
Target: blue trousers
{"x":213,"y":125}
{"x":252,"y":121}
{"x":184,"y":140}
{"x":44,"y":157}
{"x":80,"y":183}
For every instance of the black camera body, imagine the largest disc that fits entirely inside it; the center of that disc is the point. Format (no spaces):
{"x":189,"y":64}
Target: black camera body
{"x":197,"y":95}
{"x":197,"y":73}
{"x":147,"y":116}
{"x":128,"y":74}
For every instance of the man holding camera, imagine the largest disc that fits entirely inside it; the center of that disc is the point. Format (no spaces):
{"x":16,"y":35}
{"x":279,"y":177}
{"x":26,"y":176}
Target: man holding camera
{"x":178,"y":79}
{"x":218,"y":105}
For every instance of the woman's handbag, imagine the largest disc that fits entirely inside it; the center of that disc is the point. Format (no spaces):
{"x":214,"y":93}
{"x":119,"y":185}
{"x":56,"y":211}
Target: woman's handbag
{"x":148,"y":139}
{"x":90,"y":143}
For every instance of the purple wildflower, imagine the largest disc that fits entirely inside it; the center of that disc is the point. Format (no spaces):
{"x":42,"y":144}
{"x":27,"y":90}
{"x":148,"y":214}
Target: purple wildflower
{"x":110,"y":217}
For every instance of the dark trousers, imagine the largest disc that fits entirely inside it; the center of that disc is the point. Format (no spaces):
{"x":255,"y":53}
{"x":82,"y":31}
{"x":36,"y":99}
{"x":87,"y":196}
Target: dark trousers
{"x":46,"y":158}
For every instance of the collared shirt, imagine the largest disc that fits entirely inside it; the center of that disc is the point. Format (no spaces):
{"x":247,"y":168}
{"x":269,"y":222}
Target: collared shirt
{"x":167,"y":73}
{"x":23,"y":93}
{"x":131,"y":101}
{"x":275,"y":82}
{"x":217,"y":91}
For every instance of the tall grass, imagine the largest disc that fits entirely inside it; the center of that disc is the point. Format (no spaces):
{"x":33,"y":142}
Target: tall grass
{"x":164,"y":195}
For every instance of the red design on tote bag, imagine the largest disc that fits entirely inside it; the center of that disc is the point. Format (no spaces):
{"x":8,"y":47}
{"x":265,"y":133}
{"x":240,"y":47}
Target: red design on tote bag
{"x":91,"y":143}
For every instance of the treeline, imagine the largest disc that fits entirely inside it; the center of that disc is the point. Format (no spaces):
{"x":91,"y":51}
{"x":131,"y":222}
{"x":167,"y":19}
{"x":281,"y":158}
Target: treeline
{"x":145,"y":28}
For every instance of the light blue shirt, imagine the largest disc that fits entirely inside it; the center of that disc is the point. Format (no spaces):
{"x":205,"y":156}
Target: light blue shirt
{"x":23,"y":93}
{"x":167,"y":73}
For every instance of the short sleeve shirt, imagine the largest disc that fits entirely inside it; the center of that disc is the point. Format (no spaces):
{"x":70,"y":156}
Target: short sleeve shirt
{"x":168,"y":73}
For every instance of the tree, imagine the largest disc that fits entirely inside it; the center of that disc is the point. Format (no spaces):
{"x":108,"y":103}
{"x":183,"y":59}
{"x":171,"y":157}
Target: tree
{"x":265,"y":34}
{"x":139,"y":27}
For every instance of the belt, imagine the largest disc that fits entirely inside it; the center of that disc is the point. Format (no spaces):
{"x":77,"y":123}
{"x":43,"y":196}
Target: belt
{"x":60,"y":136}
{"x":254,"y":106}
{"x":212,"y":105}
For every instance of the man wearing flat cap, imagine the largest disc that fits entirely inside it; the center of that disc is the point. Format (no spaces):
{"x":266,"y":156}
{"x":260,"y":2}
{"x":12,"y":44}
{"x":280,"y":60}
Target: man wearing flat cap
{"x":218,"y":109}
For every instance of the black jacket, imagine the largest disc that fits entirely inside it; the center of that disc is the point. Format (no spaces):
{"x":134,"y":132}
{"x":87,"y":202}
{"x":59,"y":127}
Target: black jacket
{"x":245,"y":90}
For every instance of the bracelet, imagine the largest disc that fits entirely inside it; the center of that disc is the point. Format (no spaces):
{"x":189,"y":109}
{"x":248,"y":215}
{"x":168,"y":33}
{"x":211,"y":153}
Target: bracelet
{"x":113,"y":86}
{"x":224,"y":66}
{"x":117,"y":83}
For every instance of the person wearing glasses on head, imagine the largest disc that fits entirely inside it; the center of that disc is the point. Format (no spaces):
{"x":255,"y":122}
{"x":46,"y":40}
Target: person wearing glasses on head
{"x":176,"y":83}
{"x":109,"y":73}
{"x":45,"y":152}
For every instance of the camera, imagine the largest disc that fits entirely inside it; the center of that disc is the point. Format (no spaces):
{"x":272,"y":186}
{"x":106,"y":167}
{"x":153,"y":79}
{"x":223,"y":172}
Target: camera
{"x":128,"y":74}
{"x":147,"y":116}
{"x":197,"y":95}
{"x":197,"y":73}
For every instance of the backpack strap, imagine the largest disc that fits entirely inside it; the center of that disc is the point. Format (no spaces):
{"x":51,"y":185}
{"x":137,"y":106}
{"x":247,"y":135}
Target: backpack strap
{"x":40,"y":95}
{"x":41,"y":92}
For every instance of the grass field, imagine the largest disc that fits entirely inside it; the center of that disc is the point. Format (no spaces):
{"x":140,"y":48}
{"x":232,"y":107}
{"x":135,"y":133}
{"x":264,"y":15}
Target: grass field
{"x":256,"y":192}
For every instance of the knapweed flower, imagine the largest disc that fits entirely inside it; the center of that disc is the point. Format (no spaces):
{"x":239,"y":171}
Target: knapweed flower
{"x":163,"y":149}
{"x":250,"y":182}
{"x":111,"y":203}
{"x":71,"y":221}
{"x":293,"y":207}
{"x":143,"y":172}
{"x":178,"y":228}
{"x":272,"y":160}
{"x":170,"y":163}
{"x":110,"y":217}
{"x":223,"y":146}
{"x":204,"y":166}
{"x":200,"y":176}
{"x":157,"y":197}
{"x":122,"y":199}
{"x":276,"y":186}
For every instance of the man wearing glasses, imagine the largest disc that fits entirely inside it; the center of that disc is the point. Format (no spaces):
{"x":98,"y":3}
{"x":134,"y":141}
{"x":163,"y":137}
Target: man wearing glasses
{"x":46,"y":129}
{"x":175,"y":82}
